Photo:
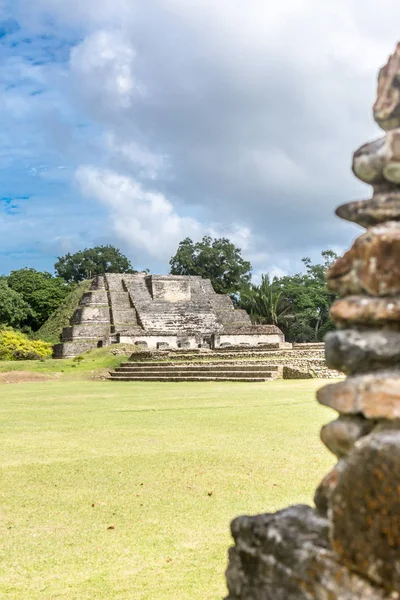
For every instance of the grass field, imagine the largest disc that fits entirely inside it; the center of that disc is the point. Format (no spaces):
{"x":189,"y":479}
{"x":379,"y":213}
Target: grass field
{"x":126,"y":490}
{"x":94,"y":363}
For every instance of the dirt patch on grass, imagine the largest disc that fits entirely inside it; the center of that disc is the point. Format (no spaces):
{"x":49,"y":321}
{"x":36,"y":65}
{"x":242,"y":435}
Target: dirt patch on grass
{"x":24,"y":377}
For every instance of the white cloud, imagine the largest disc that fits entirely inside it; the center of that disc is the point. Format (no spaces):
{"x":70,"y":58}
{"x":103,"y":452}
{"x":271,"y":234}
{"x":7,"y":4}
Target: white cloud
{"x":150,"y":165}
{"x":104,"y":59}
{"x":145,"y":220}
{"x":239,"y":116}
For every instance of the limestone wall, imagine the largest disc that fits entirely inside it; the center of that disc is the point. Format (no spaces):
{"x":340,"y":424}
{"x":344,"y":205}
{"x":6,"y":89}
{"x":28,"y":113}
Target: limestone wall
{"x":237,"y":339}
{"x":160,"y":341}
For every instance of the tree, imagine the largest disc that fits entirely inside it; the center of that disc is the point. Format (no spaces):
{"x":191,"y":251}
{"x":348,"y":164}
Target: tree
{"x":215,"y":259}
{"x":41,"y":291}
{"x":14,"y":311}
{"x":264,"y":302}
{"x":90,"y":262}
{"x":309,"y":300}
{"x":299,"y":304}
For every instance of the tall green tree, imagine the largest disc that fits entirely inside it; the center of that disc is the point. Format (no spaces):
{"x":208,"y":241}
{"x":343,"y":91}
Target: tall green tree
{"x":299,"y":304}
{"x":14,"y":311}
{"x":216,"y":259}
{"x":90,"y":262}
{"x":41,"y":291}
{"x":309,"y":300}
{"x":264,"y":302}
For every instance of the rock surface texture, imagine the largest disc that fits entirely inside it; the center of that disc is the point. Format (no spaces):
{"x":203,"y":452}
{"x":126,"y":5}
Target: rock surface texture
{"x":348,"y":547}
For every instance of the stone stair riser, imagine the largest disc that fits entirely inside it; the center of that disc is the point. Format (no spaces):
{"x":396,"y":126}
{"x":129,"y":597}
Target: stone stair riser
{"x":178,"y":379}
{"x":222,"y":374}
{"x":225,"y":365}
{"x":149,"y":371}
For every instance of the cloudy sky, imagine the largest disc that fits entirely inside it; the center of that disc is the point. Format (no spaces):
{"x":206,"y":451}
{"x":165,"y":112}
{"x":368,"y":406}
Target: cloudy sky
{"x":140,"y":123}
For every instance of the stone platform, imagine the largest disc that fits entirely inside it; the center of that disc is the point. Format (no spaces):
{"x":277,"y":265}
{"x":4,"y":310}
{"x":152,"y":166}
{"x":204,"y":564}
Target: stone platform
{"x":262,"y":363}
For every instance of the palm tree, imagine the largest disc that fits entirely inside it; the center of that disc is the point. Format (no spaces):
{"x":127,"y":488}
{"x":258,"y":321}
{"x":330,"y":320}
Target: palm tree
{"x":264,"y":302}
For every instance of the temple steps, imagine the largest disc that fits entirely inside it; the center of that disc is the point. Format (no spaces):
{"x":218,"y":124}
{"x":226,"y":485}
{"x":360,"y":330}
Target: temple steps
{"x":168,"y":367}
{"x":176,"y":378}
{"x":189,"y":372}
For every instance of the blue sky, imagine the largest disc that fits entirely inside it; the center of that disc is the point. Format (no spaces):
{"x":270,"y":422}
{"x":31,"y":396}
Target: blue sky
{"x":138,"y":124}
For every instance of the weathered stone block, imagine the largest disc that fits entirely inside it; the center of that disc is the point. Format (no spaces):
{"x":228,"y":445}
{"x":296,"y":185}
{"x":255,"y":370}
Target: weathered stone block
{"x":340,"y":436}
{"x":365,"y":510}
{"x":376,"y":396}
{"x":378,"y":161}
{"x":372,"y":264}
{"x":387,"y":106}
{"x":383,"y":206}
{"x":360,"y":350}
{"x":366,"y":310}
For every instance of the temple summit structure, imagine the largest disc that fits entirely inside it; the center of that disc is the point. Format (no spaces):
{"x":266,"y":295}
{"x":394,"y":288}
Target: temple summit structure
{"x":159,"y":312}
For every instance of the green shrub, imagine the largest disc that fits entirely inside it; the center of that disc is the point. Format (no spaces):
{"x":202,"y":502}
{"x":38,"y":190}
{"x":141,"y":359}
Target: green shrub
{"x":14,"y":345}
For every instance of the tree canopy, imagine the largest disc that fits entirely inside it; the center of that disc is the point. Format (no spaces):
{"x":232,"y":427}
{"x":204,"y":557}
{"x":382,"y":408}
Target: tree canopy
{"x":90,"y":262}
{"x":41,"y":292}
{"x":216,"y":259}
{"x":264,"y":302}
{"x":14,"y":310}
{"x":299,"y":304}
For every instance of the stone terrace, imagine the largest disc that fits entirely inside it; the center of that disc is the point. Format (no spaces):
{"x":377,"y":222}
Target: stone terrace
{"x":262,"y":363}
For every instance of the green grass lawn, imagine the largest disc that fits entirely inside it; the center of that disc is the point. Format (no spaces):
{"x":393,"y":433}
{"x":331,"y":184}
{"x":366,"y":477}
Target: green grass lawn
{"x":95,"y":362}
{"x":126,"y":490}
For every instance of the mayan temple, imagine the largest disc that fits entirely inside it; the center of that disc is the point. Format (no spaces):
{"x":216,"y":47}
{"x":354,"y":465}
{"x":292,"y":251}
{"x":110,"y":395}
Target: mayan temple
{"x":347,"y":547}
{"x":159,"y":312}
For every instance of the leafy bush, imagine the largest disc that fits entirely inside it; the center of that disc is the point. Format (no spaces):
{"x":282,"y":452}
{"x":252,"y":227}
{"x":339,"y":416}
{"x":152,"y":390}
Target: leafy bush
{"x":14,"y":345}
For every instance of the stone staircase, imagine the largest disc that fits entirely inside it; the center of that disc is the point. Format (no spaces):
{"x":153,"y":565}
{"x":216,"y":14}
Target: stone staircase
{"x":180,"y":371}
{"x":263,"y":363}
